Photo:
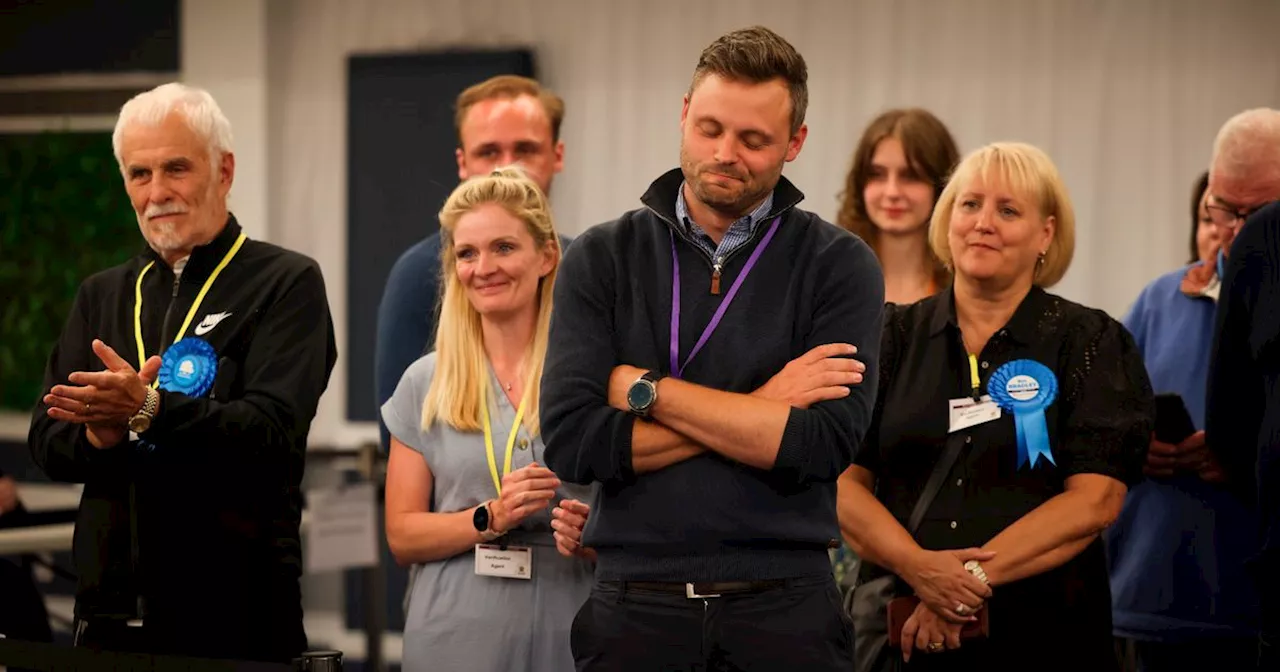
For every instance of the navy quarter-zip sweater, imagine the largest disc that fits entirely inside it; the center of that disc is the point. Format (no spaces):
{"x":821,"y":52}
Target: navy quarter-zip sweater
{"x":709,"y":518}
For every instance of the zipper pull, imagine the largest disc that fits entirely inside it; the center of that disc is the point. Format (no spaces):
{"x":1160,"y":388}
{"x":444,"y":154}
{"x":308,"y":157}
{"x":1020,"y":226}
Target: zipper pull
{"x":715,"y":277}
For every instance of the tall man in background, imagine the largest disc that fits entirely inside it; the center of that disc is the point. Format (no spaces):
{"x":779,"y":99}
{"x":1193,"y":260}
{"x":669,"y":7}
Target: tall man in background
{"x":181,"y":392}
{"x":501,"y":121}
{"x":1243,"y":407}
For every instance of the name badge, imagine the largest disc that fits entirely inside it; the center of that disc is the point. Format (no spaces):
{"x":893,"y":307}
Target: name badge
{"x":508,"y":562}
{"x":966,"y":412}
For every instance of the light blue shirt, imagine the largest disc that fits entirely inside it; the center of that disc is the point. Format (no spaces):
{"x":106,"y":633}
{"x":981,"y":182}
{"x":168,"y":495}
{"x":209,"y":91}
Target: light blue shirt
{"x":1177,"y":552}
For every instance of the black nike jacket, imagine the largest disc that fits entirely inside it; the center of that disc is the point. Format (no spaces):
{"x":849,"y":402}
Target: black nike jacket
{"x":215,"y":481}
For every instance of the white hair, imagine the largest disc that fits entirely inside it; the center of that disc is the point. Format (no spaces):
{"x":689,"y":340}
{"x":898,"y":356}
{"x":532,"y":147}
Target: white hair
{"x":1248,"y":145}
{"x":198,"y":108}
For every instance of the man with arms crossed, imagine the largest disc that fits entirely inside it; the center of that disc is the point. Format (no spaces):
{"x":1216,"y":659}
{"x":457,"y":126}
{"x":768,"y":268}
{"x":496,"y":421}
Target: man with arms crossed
{"x":700,"y":368}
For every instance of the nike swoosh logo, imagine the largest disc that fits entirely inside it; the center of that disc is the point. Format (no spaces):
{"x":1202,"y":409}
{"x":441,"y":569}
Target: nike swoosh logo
{"x":209,"y":322}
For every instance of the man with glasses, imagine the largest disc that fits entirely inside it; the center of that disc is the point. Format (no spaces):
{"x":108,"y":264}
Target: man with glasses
{"x":1243,"y":407}
{"x":1229,"y":217}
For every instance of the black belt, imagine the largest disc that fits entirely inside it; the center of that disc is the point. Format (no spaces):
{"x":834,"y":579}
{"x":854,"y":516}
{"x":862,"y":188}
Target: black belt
{"x":702,"y":589}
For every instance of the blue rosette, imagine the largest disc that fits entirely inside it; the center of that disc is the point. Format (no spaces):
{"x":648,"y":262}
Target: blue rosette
{"x":188,"y":367}
{"x":1025,"y":388}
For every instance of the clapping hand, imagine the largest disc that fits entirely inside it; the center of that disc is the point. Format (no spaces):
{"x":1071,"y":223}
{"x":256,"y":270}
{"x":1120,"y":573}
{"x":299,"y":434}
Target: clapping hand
{"x":103,"y":401}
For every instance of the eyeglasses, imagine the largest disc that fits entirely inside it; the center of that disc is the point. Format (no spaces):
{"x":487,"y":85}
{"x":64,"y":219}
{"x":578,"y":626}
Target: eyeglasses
{"x":1228,"y":216}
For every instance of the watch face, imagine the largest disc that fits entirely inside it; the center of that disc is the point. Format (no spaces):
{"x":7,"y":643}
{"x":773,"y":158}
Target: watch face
{"x":640,"y":396}
{"x":139,"y":424}
{"x":481,"y":519}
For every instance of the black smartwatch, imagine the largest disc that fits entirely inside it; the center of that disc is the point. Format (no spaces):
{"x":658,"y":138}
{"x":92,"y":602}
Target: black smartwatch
{"x":643,"y":393}
{"x":482,"y":521}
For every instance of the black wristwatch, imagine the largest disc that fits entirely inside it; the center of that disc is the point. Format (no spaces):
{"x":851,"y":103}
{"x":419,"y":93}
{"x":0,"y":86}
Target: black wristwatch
{"x":483,"y":521}
{"x":643,"y":393}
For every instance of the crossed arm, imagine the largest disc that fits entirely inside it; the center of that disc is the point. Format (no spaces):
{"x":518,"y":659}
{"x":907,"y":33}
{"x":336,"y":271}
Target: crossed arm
{"x":689,"y":419}
{"x":817,"y":375}
{"x":803,"y":424}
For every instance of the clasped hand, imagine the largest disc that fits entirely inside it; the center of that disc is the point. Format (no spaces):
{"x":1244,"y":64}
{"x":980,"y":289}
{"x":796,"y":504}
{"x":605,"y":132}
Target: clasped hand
{"x":525,"y":491}
{"x":949,"y":597}
{"x":927,"y":631}
{"x":530,"y":489}
{"x":945,"y":586}
{"x":1191,"y":455}
{"x":103,"y":401}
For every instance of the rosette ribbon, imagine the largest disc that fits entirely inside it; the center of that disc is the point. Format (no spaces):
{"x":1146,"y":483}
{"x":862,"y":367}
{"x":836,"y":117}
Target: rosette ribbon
{"x":188,"y":367}
{"x":1025,"y":388}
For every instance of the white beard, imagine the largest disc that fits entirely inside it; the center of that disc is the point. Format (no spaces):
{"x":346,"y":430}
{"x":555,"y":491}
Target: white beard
{"x":163,"y":236}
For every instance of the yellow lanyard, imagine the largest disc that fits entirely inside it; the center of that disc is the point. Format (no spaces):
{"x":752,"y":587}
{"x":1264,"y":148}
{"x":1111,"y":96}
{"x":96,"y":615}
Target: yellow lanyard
{"x":488,"y":442}
{"x":137,"y":303}
{"x":973,"y":375}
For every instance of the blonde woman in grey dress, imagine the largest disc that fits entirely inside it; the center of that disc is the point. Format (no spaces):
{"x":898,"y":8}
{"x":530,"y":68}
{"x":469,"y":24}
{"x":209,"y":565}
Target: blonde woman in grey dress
{"x":464,"y":477}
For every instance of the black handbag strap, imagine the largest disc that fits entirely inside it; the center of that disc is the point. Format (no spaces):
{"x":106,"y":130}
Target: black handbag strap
{"x":955,"y":444}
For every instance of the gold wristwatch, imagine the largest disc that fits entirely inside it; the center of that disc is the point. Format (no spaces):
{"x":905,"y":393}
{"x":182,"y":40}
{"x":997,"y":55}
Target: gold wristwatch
{"x":141,"y":421}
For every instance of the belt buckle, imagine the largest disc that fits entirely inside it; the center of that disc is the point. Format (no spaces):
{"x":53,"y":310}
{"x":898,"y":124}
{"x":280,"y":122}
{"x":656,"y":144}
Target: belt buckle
{"x":690,"y":593}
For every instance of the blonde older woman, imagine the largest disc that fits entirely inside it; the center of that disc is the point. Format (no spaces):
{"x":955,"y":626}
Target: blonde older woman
{"x":468,"y":500}
{"x":1008,"y":426}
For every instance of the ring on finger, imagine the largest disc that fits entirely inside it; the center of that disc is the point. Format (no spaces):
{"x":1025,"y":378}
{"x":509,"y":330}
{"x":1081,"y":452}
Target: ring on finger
{"x":963,"y":609}
{"x":934,"y":647}
{"x":86,"y":408}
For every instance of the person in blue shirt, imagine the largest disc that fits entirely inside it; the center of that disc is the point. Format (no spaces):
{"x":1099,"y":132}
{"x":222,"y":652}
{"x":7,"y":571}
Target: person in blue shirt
{"x":501,"y":121}
{"x":1180,"y":596}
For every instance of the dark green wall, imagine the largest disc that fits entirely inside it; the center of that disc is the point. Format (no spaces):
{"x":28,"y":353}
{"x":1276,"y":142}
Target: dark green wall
{"x":64,"y":215}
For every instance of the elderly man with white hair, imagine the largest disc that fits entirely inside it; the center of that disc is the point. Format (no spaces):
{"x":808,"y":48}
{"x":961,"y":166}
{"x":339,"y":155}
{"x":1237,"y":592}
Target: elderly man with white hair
{"x":1243,"y":407}
{"x":180,"y":393}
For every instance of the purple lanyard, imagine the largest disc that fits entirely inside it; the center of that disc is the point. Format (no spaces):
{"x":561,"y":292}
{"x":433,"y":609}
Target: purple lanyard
{"x":676,"y":369}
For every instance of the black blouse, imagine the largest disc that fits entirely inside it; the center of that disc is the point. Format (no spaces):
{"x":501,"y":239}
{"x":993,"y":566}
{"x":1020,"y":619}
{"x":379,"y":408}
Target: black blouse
{"x":1100,"y":423}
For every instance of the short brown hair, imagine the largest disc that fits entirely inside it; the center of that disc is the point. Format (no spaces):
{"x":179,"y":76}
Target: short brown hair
{"x":930,"y":151}
{"x":757,"y":55}
{"x":509,"y":86}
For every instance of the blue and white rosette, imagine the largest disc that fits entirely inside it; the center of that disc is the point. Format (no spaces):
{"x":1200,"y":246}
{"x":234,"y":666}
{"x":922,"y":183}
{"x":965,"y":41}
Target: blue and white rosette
{"x":188,"y":367}
{"x":1026,"y":388}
